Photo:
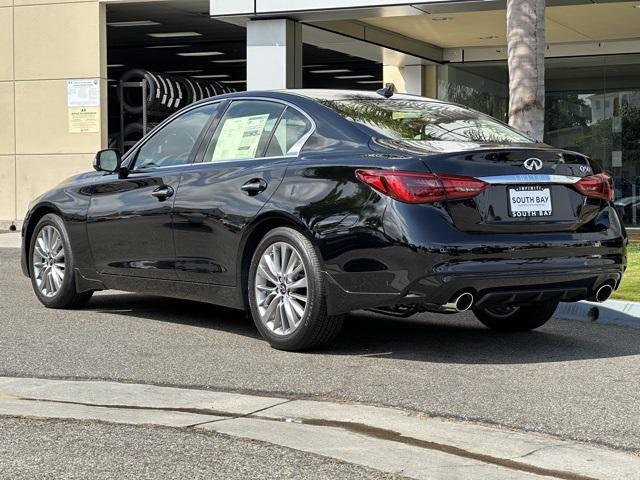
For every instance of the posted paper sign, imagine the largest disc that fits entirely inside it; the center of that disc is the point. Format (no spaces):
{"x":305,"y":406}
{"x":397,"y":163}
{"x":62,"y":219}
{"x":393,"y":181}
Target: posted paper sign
{"x":239,"y":137}
{"x":84,"y":120}
{"x":83,"y":102}
{"x":83,"y":93}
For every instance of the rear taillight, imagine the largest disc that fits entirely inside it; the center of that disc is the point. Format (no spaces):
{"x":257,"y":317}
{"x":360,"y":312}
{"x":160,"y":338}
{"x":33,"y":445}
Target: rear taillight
{"x":596,"y":186}
{"x":416,"y":187}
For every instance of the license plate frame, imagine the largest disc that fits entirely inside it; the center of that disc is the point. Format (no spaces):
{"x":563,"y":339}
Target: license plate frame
{"x":529,"y":201}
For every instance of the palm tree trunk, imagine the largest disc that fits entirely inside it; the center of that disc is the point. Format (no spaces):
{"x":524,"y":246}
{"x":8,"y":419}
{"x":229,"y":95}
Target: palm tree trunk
{"x":525,"y":40}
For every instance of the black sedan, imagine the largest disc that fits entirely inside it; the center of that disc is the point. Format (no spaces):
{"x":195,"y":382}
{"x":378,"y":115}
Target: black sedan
{"x":301,"y":206}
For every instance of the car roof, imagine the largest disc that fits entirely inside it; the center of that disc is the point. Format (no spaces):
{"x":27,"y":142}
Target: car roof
{"x":333,"y":95}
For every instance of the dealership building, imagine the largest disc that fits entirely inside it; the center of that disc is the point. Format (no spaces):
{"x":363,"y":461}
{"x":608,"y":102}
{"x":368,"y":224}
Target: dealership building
{"x":62,"y":61}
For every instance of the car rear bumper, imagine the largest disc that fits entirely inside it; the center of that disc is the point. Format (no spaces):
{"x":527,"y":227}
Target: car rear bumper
{"x":490,"y":288}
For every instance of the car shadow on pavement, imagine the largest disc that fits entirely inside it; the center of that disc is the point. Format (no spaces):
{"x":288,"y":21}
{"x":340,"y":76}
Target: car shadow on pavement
{"x":426,"y":337}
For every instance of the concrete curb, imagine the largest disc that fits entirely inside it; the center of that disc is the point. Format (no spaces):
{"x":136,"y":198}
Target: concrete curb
{"x":387,"y":439}
{"x":611,"y":312}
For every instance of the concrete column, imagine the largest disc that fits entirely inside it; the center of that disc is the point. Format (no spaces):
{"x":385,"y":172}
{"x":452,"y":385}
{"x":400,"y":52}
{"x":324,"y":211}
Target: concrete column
{"x":412,"y":79}
{"x":274,"y":54}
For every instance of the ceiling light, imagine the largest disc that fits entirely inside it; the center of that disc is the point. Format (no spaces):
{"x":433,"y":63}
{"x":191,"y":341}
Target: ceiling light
{"x":199,"y":54}
{"x":211,"y":76}
{"x":336,"y":70}
{"x":133,"y":23}
{"x":352,"y":77}
{"x":233,"y":81}
{"x":184,"y":71}
{"x":174,"y":34}
{"x":168,"y":46}
{"x":116,"y":65}
{"x":370,"y":81}
{"x":231,"y":60}
{"x":442,"y":19}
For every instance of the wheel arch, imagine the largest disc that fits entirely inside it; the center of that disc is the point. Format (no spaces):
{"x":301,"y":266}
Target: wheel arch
{"x":30,"y":225}
{"x":254,"y":233}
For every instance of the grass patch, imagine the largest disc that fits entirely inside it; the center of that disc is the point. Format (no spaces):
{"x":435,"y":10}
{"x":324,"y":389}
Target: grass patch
{"x":630,"y":286}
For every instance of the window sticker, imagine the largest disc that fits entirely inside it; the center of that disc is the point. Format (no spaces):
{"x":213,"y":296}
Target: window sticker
{"x":239,"y":137}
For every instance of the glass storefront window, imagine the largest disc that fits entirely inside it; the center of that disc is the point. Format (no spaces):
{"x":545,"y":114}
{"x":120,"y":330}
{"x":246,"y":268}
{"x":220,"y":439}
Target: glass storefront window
{"x":592,"y":106}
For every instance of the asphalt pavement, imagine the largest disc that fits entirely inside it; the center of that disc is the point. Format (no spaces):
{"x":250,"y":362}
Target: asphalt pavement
{"x":572,"y":379}
{"x":72,"y":450}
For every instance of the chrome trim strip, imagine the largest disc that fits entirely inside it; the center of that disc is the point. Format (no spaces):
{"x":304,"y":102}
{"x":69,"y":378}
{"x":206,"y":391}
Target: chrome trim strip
{"x":530,"y":178}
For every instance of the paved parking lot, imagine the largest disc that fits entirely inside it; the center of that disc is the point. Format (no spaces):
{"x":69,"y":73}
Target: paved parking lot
{"x":573,"y":379}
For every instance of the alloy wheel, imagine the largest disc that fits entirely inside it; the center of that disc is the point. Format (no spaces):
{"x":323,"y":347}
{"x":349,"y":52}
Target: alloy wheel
{"x":49,"y":261}
{"x":281,"y":288}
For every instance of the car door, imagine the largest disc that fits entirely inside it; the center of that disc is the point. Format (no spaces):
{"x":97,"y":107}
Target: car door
{"x":129,"y":220}
{"x":238,"y":171}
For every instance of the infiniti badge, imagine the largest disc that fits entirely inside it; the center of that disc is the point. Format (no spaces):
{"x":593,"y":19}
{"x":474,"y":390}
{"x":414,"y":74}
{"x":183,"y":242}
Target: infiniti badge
{"x":533,"y":164}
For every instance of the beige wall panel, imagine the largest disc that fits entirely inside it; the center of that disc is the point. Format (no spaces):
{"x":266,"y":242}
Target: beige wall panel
{"x":7,"y":187}
{"x":36,"y":174}
{"x":42,"y":121}
{"x":46,"y":2}
{"x":6,"y":3}
{"x":6,"y":44}
{"x":7,"y":133}
{"x":57,"y":41}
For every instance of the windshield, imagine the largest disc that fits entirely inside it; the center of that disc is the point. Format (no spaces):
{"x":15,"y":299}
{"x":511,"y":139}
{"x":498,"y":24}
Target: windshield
{"x":424,"y":120}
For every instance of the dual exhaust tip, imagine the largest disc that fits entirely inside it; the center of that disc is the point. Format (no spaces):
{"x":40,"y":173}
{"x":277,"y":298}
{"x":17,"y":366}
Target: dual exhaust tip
{"x":464,"y":301}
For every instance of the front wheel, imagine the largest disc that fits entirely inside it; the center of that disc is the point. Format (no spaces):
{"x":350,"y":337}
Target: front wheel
{"x":286,"y":293}
{"x":51,"y":265}
{"x":516,"y":319}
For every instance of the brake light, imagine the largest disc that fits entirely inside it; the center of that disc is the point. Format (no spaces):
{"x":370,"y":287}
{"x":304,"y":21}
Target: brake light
{"x":596,"y":186}
{"x":416,"y":187}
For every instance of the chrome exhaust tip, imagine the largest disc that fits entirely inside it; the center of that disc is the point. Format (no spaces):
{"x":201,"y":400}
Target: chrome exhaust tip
{"x":603,"y":293}
{"x":461,"y":303}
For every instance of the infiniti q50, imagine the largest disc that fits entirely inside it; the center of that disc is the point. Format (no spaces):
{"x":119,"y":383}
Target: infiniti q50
{"x":300,"y":206}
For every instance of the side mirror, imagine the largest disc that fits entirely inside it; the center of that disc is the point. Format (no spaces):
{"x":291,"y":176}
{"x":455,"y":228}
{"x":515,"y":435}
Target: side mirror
{"x":107,"y":161}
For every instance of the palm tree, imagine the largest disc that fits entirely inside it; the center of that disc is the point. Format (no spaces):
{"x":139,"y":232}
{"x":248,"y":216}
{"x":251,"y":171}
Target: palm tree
{"x":525,"y":42}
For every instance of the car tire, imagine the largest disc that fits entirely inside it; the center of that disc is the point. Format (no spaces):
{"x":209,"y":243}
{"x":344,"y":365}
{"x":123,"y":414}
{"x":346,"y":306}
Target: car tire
{"x":517,"y":319}
{"x":277,"y":275}
{"x":51,"y":265}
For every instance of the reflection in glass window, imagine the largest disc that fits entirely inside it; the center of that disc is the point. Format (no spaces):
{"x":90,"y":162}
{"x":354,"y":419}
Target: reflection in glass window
{"x":172,"y":145}
{"x":424,"y":120}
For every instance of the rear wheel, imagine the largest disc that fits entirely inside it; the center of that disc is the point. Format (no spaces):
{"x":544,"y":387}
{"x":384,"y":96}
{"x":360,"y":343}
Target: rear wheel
{"x":51,"y":265}
{"x":286,"y":293}
{"x":516,"y":319}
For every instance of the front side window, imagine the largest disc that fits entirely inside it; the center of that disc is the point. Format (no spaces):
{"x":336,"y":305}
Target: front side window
{"x":244,"y":131}
{"x":424,"y":120}
{"x":174,"y":143}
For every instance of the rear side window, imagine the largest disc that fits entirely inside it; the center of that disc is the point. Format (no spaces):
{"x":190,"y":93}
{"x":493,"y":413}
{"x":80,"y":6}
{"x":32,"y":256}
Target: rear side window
{"x":244,"y":131}
{"x":173,"y":144}
{"x":291,"y":129}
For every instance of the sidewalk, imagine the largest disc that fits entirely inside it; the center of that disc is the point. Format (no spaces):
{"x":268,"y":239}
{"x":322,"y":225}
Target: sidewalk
{"x":10,"y":239}
{"x":387,"y":439}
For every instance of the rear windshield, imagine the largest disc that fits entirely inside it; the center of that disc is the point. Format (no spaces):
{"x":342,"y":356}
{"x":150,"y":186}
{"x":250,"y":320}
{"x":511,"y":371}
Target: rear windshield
{"x":424,"y":120}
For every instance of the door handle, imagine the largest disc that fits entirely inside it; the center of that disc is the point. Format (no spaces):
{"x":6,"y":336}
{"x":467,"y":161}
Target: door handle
{"x":254,"y":186}
{"x":163,"y":192}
